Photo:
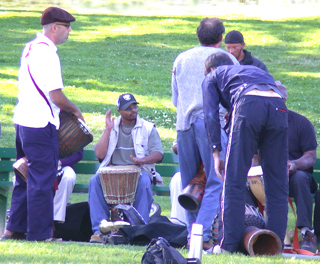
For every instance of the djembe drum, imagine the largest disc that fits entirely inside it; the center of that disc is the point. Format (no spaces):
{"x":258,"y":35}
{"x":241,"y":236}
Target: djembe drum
{"x":73,"y":134}
{"x":21,"y":168}
{"x":255,"y":181}
{"x":119,"y":185}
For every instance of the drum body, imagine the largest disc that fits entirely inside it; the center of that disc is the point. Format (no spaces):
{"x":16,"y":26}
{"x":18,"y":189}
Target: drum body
{"x":73,"y":134}
{"x":255,"y":180}
{"x":119,"y":183}
{"x":21,"y":168}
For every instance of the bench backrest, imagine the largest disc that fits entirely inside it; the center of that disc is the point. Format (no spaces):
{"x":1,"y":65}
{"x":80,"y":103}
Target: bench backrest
{"x":89,"y":163}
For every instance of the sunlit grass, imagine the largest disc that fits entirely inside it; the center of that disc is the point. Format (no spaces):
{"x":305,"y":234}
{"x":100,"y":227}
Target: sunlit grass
{"x":107,"y":55}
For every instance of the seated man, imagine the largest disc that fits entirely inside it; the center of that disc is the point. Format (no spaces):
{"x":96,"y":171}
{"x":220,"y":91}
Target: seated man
{"x":65,"y":187}
{"x":128,"y":140}
{"x":302,"y":144}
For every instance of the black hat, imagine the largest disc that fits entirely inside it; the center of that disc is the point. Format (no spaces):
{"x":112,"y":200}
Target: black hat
{"x":55,"y":14}
{"x":125,"y":100}
{"x":233,"y":37}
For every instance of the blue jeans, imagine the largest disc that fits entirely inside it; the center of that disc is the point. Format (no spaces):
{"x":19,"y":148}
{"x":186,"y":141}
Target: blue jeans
{"x":193,"y":147}
{"x":99,"y":209}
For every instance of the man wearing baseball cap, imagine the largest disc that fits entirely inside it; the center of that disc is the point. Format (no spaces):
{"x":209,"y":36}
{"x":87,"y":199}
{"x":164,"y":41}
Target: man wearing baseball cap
{"x":127,"y":140}
{"x":235,"y":45}
{"x":36,"y":117}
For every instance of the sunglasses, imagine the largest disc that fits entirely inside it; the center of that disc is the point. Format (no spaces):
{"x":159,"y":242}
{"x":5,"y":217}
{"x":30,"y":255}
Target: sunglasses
{"x":65,"y":25}
{"x":128,"y":109}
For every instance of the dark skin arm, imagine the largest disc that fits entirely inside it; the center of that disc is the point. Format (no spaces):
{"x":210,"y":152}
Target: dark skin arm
{"x":154,"y":157}
{"x":307,"y":160}
{"x":60,"y":100}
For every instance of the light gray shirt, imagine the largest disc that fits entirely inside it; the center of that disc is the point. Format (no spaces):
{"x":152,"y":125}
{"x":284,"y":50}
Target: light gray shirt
{"x":186,"y":84}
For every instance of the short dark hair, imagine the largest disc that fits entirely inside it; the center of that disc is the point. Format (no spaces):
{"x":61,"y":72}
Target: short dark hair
{"x":215,"y":60}
{"x":210,"y":31}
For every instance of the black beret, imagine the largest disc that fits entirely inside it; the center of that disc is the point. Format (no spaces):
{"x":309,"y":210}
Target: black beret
{"x":55,"y":14}
{"x":233,"y":37}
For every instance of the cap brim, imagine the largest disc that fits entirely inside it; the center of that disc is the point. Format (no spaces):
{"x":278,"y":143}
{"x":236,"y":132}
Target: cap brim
{"x":127,"y":104}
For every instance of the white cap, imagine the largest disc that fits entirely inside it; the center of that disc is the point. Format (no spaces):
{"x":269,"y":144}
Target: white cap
{"x":197,"y":229}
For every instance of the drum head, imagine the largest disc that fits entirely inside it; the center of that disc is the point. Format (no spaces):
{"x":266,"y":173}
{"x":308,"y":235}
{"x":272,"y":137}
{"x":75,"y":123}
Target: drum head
{"x":117,"y":169}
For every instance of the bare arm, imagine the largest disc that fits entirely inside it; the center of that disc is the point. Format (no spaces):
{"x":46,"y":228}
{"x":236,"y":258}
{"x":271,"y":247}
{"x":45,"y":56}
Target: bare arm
{"x":60,"y":100}
{"x":154,"y":157}
{"x":307,"y":160}
{"x":218,"y":164}
{"x":102,"y":147}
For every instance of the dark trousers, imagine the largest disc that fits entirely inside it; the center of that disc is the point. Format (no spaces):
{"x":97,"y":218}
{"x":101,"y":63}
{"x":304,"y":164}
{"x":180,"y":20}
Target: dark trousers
{"x":258,"y":123}
{"x":316,"y":218}
{"x":300,"y":190}
{"x":32,"y":202}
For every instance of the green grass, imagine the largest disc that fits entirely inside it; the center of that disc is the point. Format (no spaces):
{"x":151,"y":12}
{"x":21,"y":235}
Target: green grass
{"x":109,"y":54}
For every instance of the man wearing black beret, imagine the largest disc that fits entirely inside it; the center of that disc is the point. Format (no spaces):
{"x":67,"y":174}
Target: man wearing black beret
{"x":36,"y":118}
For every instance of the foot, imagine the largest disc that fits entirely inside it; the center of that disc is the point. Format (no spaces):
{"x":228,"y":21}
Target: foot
{"x":207,"y":245}
{"x":96,"y":239}
{"x":53,"y":239}
{"x":309,"y":242}
{"x":13,"y":235}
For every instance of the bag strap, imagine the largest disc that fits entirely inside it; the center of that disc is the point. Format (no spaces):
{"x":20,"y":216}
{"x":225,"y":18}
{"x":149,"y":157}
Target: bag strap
{"x":35,"y":84}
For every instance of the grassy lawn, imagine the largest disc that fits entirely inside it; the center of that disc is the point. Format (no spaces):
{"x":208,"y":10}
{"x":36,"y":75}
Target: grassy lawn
{"x":109,"y":54}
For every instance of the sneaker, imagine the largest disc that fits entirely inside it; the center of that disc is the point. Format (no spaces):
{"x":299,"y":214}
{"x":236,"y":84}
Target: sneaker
{"x":309,"y":242}
{"x":207,"y":245}
{"x":96,"y":239}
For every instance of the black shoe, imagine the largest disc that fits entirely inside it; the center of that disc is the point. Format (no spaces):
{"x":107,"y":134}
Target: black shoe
{"x":117,"y":238}
{"x":14,"y":236}
{"x":309,"y":242}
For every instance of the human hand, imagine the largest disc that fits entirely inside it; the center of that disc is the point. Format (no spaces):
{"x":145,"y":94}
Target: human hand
{"x":109,"y":120}
{"x":292,"y":168}
{"x":140,"y":161}
{"x":218,"y":165}
{"x":78,"y":114}
{"x":226,"y":117}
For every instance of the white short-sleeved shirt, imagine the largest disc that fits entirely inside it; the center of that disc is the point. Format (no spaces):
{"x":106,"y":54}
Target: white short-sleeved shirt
{"x":40,"y":60}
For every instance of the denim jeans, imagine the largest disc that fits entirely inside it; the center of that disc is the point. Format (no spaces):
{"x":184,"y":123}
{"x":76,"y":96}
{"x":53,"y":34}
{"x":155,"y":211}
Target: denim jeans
{"x":99,"y":209}
{"x":193,"y":147}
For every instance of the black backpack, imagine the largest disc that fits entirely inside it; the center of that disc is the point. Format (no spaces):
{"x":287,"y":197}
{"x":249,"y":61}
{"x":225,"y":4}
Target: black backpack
{"x":159,"y":251}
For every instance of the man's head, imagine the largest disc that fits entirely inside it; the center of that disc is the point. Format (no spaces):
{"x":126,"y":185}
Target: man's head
{"x":56,"y":24}
{"x":235,"y":44}
{"x":282,"y":89}
{"x":210,"y":31}
{"x":215,"y":60}
{"x":127,"y":108}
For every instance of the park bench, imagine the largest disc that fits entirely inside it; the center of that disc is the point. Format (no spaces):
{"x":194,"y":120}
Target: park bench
{"x":87,"y":167}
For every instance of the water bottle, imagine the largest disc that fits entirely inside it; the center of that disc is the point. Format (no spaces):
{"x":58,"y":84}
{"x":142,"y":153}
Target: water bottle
{"x":196,"y":241}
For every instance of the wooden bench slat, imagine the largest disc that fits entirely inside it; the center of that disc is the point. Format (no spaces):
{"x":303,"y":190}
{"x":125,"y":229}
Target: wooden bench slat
{"x":6,"y":165}
{"x":8,"y":153}
{"x":166,"y":170}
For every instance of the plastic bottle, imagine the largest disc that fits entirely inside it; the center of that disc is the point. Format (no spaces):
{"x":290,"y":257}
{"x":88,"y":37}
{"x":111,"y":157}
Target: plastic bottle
{"x":196,"y":241}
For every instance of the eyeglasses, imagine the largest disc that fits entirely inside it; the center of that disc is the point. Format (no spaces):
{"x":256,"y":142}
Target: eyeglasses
{"x":128,"y":109}
{"x":65,"y":25}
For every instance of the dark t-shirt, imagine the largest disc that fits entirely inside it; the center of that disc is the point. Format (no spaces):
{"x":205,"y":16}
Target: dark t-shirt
{"x":301,"y":136}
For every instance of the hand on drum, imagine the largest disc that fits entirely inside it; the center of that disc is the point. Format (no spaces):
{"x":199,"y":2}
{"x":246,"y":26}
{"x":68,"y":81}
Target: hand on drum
{"x":136,"y":160}
{"x":109,"y":120}
{"x":218,"y":165}
{"x":78,"y":114}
